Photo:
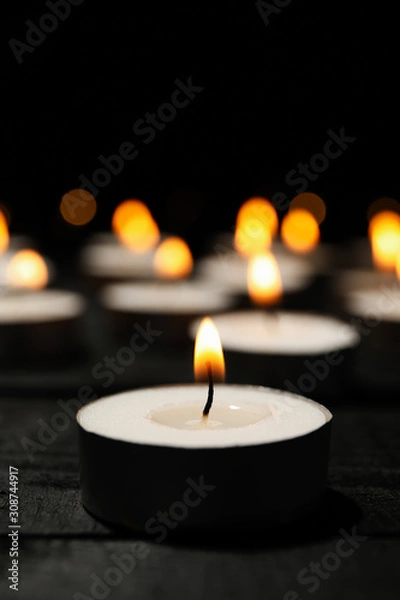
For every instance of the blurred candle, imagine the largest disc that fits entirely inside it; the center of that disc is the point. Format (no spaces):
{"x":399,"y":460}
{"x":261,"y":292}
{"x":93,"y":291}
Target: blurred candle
{"x":300,"y":231}
{"x":256,"y":225}
{"x":133,"y":224}
{"x":4,"y":235}
{"x":384,"y":236}
{"x":264,"y":279}
{"x":37,"y":323}
{"x":173,"y":259}
{"x":27,"y":269}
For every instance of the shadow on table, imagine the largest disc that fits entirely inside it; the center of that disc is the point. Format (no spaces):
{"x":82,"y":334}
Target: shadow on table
{"x":336,"y":513}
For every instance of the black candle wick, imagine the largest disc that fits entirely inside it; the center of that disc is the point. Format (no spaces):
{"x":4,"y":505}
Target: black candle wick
{"x":210,"y":390}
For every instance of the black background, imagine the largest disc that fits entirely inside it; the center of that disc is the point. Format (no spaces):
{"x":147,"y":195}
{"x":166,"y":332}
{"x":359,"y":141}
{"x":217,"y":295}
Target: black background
{"x":271,"y":93}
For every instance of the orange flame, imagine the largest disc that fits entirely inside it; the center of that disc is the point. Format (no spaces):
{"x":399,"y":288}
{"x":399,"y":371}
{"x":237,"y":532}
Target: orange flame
{"x":135,"y":227}
{"x":27,"y":269}
{"x":256,"y":225}
{"x":384,"y":235}
{"x":264,"y":279}
{"x":4,"y":235}
{"x":173,"y":259}
{"x":300,"y":231}
{"x":208,"y":351}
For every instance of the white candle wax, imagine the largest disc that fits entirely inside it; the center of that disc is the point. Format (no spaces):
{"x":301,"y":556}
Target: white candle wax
{"x":40,"y":306}
{"x":106,"y":257}
{"x":360,"y":280}
{"x":116,"y":261}
{"x":285,"y":333}
{"x":380,"y":304}
{"x":182,"y":297}
{"x":319,"y":258}
{"x":230,"y":270}
{"x":171,"y":416}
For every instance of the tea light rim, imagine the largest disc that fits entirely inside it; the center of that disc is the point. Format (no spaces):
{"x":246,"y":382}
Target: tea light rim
{"x":353,"y":305}
{"x":271,"y":350}
{"x":224,"y":299}
{"x":206,"y":271}
{"x":167,"y":436}
{"x":360,"y":278}
{"x":140,"y":263}
{"x":75,"y":303}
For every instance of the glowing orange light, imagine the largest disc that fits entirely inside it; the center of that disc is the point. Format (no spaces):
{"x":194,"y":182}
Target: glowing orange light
{"x":384,"y":235}
{"x":312,"y":203}
{"x":208,"y":351}
{"x":382,"y":205}
{"x":256,"y":225}
{"x":4,"y":235}
{"x":264,"y":282}
{"x":78,"y":207}
{"x":300,"y":231}
{"x":135,"y":227}
{"x":173,"y":259}
{"x":27,"y":269}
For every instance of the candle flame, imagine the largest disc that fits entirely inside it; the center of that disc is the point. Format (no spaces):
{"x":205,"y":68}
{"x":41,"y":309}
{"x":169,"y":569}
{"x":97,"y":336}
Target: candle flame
{"x":208,"y":350}
{"x":264,"y":279}
{"x":256,"y":225}
{"x":173,"y":259}
{"x":4,"y":235}
{"x":300,"y":231}
{"x":384,"y":236}
{"x":134,"y":226}
{"x":27,"y":269}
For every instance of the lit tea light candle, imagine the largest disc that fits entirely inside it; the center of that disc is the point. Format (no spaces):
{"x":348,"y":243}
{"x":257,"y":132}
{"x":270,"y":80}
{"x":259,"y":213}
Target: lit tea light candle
{"x":230,"y":271}
{"x":293,"y":349}
{"x":36,"y":323}
{"x":126,"y":253}
{"x":375,"y":312}
{"x":302,"y":352}
{"x":374,"y":257}
{"x":182,"y":444}
{"x":370,"y":298}
{"x":255,"y":229}
{"x":169,"y":306}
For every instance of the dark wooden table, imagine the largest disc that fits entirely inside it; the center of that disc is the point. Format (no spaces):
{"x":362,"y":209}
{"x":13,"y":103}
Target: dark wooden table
{"x":349,"y":550}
